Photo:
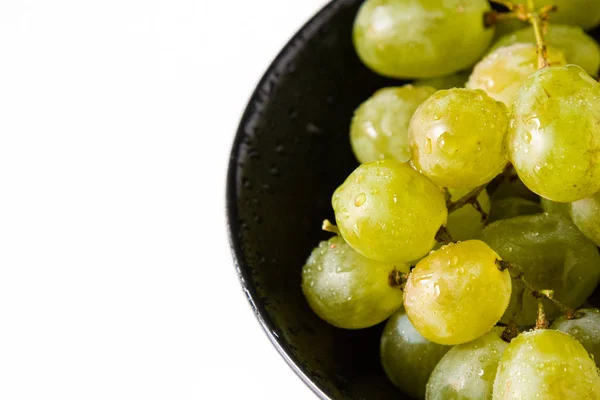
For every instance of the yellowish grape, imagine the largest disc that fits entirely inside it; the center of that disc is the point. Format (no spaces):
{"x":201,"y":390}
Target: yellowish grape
{"x":554,"y":135}
{"x":457,"y":293}
{"x":456,"y":138}
{"x":546,"y":364}
{"x":421,"y":39}
{"x":389,"y":212}
{"x":379,"y":128}
{"x":578,"y":47}
{"x":348,"y":290}
{"x":502,"y":72}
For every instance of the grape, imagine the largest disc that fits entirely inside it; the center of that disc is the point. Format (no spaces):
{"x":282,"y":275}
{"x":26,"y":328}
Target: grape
{"x":421,"y":39}
{"x":586,"y":216}
{"x":348,"y":290}
{"x":578,"y":47}
{"x":467,"y":371}
{"x":546,"y":364}
{"x":503,"y":71}
{"x":466,"y":222}
{"x":585,"y":13}
{"x":379,"y":128}
{"x":407,"y":357}
{"x":553,"y":207}
{"x":446,"y":82}
{"x":553,"y":255}
{"x":389,"y":212}
{"x":586,"y":329}
{"x":507,"y":26}
{"x":457,"y":293}
{"x":514,"y":187}
{"x":554,"y":136}
{"x":456,"y":138}
{"x":511,"y":207}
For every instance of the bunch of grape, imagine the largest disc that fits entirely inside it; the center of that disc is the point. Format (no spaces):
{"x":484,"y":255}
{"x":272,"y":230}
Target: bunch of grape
{"x":473,"y":222}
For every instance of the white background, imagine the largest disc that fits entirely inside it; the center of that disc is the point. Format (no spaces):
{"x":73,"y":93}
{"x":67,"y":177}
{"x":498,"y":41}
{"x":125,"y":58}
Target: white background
{"x":116,"y":119}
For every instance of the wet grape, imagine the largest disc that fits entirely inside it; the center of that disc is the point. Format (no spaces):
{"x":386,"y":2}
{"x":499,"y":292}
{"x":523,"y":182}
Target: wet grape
{"x":389,"y":212}
{"x":348,"y":290}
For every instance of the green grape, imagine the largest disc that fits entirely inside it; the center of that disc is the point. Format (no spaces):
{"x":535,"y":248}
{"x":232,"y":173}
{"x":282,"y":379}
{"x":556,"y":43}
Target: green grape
{"x":456,"y":138}
{"x":446,"y":82}
{"x":407,"y":357}
{"x":546,"y":364}
{"x":553,"y":255}
{"x":507,"y":26}
{"x":586,"y":216}
{"x":457,"y":293}
{"x":421,"y":39}
{"x":503,"y":71}
{"x":348,"y":290}
{"x":514,"y":187}
{"x":554,"y":136}
{"x":389,"y":212}
{"x":552,"y":207}
{"x":379,"y":128}
{"x":585,"y":13}
{"x":467,"y":372}
{"x":586,"y":329}
{"x":466,"y":222}
{"x":511,"y":207}
{"x":578,"y":47}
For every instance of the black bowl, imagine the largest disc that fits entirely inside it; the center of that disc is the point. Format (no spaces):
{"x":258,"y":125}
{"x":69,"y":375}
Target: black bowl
{"x":290,"y":153}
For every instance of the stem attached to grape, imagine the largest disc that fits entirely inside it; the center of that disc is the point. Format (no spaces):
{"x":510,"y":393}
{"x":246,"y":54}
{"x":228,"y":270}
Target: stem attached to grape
{"x":538,"y":24}
{"x":329,"y":227}
{"x":398,"y":279}
{"x":510,"y":332}
{"x":542,"y":321}
{"x":517,"y":273}
{"x":537,"y":19}
{"x":443,"y":236}
{"x":469,"y":198}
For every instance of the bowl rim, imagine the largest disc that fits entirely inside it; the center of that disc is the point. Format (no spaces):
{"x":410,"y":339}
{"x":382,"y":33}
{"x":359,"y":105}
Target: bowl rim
{"x":289,"y":51}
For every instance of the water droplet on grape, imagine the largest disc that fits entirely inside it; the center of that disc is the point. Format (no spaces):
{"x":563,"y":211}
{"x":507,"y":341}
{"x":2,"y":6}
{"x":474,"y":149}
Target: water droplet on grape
{"x":360,"y":199}
{"x":428,"y":146}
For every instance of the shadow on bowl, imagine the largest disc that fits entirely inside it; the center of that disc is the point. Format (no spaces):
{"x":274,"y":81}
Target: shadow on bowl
{"x":290,"y":153}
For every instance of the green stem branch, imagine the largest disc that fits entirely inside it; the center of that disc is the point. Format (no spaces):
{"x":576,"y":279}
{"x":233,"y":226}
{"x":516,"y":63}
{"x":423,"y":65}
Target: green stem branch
{"x":517,"y":273}
{"x":469,"y":198}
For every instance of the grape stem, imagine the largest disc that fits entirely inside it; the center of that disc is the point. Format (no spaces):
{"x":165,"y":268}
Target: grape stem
{"x":510,"y":332}
{"x":443,"y":236}
{"x":538,"y":20}
{"x":517,"y":273}
{"x":538,"y":23}
{"x":542,"y":321}
{"x":469,"y":198}
{"x":398,"y":279}
{"x":329,"y":227}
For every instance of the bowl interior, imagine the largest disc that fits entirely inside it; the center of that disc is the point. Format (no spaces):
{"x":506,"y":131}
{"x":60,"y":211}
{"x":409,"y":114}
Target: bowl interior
{"x":290,"y":153}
